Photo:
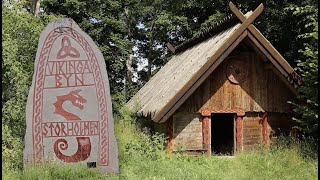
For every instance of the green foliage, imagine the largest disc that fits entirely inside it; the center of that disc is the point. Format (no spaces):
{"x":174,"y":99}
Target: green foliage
{"x":146,"y":147}
{"x":11,"y":150}
{"x":168,"y":21}
{"x":307,"y":67}
{"x":277,"y":23}
{"x":134,"y":142}
{"x":20,"y":33}
{"x":142,"y":29}
{"x":306,"y":147}
{"x":211,"y":20}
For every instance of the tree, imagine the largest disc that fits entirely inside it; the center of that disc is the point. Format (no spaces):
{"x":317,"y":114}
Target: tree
{"x":169,"y":21}
{"x":307,"y":66}
{"x":20,"y":34}
{"x":279,"y":25}
{"x":104,"y":22}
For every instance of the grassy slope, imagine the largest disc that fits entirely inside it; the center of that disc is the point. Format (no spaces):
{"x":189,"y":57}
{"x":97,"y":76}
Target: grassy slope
{"x":139,"y":159}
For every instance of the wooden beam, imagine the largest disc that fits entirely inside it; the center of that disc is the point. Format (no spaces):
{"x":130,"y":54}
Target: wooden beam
{"x":159,"y":115}
{"x":171,"y":47}
{"x":169,"y":128}
{"x":265,"y":133}
{"x":255,"y":32}
{"x":208,"y":112}
{"x":239,"y":129}
{"x":206,"y":134}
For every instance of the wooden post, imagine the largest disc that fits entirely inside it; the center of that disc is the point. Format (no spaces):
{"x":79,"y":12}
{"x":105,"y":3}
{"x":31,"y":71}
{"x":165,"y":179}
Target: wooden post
{"x":265,"y":125}
{"x":169,"y":127}
{"x":239,"y":133}
{"x":206,"y":134}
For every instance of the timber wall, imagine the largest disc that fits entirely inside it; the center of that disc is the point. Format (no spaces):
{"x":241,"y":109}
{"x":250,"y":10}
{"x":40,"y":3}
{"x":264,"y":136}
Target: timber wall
{"x":262,"y":91}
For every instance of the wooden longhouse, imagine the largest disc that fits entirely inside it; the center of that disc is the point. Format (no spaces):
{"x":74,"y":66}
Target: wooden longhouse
{"x":225,"y":90}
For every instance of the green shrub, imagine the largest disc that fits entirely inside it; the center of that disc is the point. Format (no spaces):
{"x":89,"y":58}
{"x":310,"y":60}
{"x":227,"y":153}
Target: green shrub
{"x":20,"y":33}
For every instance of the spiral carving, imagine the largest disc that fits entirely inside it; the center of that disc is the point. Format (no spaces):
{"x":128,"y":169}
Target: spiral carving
{"x":237,"y":71}
{"x":63,"y":144}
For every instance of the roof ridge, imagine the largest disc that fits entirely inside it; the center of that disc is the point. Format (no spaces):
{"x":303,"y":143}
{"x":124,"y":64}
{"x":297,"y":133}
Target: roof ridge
{"x":217,"y":27}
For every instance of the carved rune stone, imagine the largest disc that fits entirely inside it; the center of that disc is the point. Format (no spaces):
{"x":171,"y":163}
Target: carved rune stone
{"x":69,"y":112}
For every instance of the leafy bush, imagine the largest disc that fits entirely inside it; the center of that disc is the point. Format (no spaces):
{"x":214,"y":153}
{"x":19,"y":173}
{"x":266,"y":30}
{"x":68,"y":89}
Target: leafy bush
{"x":306,"y":147}
{"x":307,"y":67}
{"x":147,"y":147}
{"x":20,"y":33}
{"x":11,"y":150}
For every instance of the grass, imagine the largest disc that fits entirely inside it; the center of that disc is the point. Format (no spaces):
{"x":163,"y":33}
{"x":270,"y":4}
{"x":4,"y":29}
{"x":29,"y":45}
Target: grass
{"x":142,"y":157}
{"x":282,"y":164}
{"x":52,"y":171}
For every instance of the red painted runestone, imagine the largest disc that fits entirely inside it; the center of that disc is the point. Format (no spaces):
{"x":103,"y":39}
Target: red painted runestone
{"x":69,"y":112}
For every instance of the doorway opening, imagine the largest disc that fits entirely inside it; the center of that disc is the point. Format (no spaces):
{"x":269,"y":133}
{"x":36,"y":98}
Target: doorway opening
{"x":222,"y":134}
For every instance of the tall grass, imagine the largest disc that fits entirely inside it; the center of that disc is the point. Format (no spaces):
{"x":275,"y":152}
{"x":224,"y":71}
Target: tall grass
{"x":53,"y":171}
{"x":143,"y":156}
{"x":275,"y":163}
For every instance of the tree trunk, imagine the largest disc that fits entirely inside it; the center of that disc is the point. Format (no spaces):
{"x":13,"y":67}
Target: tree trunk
{"x":129,"y":61}
{"x":150,"y":59}
{"x":36,"y":7}
{"x":129,"y":70}
{"x":149,"y":67}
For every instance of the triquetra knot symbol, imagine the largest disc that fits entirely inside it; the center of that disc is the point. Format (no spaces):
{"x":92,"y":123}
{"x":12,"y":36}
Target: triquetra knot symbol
{"x":67,"y":49}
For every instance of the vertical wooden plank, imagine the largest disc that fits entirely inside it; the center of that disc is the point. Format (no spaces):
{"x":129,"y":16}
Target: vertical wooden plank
{"x":252,"y":89}
{"x":265,"y":125}
{"x":209,"y":139}
{"x":206,"y":92}
{"x":275,"y":92}
{"x":239,"y":125}
{"x":256,"y":90}
{"x":262,"y":83}
{"x":221,"y":90}
{"x":169,"y":128}
{"x":234,"y":131}
{"x":205,"y":133}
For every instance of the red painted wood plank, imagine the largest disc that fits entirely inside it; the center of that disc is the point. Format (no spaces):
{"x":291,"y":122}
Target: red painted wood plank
{"x":169,"y":128}
{"x":205,"y":131}
{"x":265,"y":128}
{"x":239,"y":128}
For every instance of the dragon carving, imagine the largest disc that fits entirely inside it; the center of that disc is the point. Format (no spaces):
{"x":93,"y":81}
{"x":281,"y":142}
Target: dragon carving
{"x":76,"y":101}
{"x":84,"y":144}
